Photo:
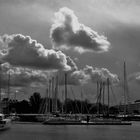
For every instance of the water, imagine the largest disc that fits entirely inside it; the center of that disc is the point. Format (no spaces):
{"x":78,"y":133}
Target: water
{"x":44,"y":132}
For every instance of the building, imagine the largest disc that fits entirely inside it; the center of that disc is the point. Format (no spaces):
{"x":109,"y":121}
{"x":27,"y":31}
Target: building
{"x":133,"y":108}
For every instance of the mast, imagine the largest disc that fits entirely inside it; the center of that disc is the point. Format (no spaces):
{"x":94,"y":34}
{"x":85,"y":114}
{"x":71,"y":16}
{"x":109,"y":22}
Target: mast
{"x":124,"y":82}
{"x":46,"y":101}
{"x":108,"y":94}
{"x":126,"y":94}
{"x":8,"y":92}
{"x":100,"y":96}
{"x":53,"y":98}
{"x":99,"y":92}
{"x":49,"y":96}
{"x":62,"y":101}
{"x":65,"y":92}
{"x":81,"y":102}
{"x":103,"y":100}
{"x":0,"y":87}
{"x":97,"y":98}
{"x":56,"y":94}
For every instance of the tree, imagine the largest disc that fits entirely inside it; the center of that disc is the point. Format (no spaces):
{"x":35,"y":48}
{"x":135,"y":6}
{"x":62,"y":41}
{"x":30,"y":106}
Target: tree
{"x":35,"y":102}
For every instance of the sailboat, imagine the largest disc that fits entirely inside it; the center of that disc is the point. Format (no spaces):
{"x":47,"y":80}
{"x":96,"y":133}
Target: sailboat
{"x":105,"y":118}
{"x":61,"y":119}
{"x":125,"y":115}
{"x":5,"y":123}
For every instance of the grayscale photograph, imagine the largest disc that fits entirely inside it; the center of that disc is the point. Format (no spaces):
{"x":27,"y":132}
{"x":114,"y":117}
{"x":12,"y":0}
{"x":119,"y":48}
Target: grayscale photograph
{"x":69,"y":69}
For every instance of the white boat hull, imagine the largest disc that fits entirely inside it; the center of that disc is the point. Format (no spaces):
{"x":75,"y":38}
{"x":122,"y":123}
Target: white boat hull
{"x":5,"y":124}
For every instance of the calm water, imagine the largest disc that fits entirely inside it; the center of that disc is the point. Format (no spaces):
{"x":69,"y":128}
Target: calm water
{"x":44,"y":132}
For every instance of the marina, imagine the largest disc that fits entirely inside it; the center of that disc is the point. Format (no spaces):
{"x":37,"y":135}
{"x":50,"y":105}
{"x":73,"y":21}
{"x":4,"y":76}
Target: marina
{"x":69,"y":70}
{"x":31,"y":131}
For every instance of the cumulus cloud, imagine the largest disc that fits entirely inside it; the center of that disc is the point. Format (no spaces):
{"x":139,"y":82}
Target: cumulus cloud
{"x":19,"y":50}
{"x":90,"y":74}
{"x":68,"y":33}
{"x":134,"y":77}
{"x":72,"y":64}
{"x":22,"y":77}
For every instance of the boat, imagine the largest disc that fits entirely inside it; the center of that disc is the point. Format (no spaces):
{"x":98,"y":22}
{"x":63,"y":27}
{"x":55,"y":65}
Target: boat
{"x":5,"y":123}
{"x":73,"y":121}
{"x":61,"y":121}
{"x":109,"y":121}
{"x":55,"y":118}
{"x":69,"y":119}
{"x":105,"y":118}
{"x":126,"y":114}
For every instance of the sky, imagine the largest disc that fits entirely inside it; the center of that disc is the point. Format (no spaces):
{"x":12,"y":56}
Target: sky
{"x":89,"y":39}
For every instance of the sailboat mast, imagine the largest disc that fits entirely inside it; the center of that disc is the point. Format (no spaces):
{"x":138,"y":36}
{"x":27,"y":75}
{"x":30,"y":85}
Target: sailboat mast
{"x":108,"y":94}
{"x":8,"y":92}
{"x":0,"y":87}
{"x":103,"y":99}
{"x":0,"y":81}
{"x":126,"y":94}
{"x":46,"y":101}
{"x":52,"y":94}
{"x":81,"y":102}
{"x":124,"y":80}
{"x":97,"y":98}
{"x":62,"y":101}
{"x":49,"y":96}
{"x":65,"y":92}
{"x":56,"y":93}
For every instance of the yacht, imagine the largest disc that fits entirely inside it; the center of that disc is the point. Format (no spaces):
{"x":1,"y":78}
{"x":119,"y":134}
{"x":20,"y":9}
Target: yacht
{"x":5,"y":123}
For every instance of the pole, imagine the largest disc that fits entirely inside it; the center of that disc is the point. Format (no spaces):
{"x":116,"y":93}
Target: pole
{"x":56,"y":93}
{"x":103,"y":97}
{"x":49,"y":94}
{"x":8,"y":92}
{"x":81,"y":102}
{"x":62,"y":101}
{"x":46,"y":102}
{"x":0,"y":81}
{"x":108,"y":94}
{"x":97,"y":98}
{"x":65,"y":92}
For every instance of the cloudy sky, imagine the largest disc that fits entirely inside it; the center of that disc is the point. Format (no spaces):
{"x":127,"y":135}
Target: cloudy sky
{"x":89,"y":39}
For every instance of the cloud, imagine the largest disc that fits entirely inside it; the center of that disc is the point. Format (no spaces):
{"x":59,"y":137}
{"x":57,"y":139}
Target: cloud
{"x":19,"y":50}
{"x":78,"y":77}
{"x":22,"y":77}
{"x":135,"y":77}
{"x":90,"y":74}
{"x":72,"y":64}
{"x":68,"y":33}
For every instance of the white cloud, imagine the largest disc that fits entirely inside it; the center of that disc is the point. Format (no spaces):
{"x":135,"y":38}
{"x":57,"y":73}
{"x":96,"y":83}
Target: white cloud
{"x":68,"y":33}
{"x":19,"y":50}
{"x":90,"y":74}
{"x":22,"y":77}
{"x":135,"y":77}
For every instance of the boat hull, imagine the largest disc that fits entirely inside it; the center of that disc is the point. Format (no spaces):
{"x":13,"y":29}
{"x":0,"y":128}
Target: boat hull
{"x":85,"y":123}
{"x":5,"y":124}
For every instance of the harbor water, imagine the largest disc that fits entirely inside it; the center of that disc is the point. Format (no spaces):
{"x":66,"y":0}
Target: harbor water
{"x":31,"y":131}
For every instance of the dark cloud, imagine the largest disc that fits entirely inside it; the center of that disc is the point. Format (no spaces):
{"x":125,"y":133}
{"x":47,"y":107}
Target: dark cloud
{"x":19,"y":50}
{"x":67,"y":32}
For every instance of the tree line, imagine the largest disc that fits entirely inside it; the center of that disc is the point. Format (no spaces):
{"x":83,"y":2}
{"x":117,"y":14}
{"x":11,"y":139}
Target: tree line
{"x":40,"y":105}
